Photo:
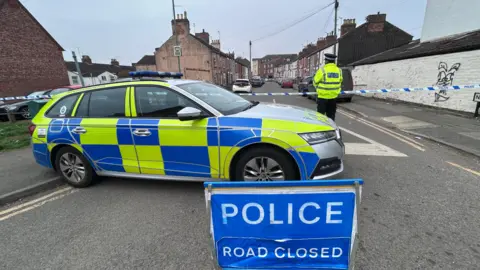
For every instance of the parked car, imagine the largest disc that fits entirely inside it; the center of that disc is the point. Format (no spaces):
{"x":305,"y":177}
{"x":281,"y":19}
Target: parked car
{"x":303,"y":85}
{"x":256,"y":82}
{"x":287,"y":83}
{"x":242,"y":86}
{"x":347,"y":84}
{"x":20,"y":109}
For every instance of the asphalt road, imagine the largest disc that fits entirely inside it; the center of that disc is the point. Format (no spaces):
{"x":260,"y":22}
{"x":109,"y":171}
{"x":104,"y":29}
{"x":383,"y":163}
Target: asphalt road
{"x":418,"y":211}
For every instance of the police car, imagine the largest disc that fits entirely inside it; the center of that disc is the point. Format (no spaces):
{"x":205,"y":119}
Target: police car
{"x":157,"y":126}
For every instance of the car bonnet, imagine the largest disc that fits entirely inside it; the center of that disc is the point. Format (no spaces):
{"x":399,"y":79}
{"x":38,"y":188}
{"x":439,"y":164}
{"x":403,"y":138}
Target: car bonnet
{"x":288,"y":113}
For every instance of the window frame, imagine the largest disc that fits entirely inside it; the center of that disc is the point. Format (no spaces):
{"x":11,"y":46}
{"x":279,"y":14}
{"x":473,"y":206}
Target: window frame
{"x":135,"y":87}
{"x":56,"y":103}
{"x":88,"y":92}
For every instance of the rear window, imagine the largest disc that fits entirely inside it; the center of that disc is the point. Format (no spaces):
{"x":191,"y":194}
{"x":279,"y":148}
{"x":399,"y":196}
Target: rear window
{"x":241,"y":82}
{"x":63,"y":107}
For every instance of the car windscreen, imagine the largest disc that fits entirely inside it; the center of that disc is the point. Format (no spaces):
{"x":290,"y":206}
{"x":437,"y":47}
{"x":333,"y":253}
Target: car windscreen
{"x":307,"y":80}
{"x":37,"y":93}
{"x":59,"y":90}
{"x":220,"y":99}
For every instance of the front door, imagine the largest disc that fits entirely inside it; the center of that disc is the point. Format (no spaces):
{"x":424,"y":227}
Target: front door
{"x":164,"y":144}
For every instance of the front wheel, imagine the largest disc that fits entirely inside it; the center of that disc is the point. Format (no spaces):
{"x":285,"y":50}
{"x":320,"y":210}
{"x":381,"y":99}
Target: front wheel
{"x":265,"y":164}
{"x":74,"y":167}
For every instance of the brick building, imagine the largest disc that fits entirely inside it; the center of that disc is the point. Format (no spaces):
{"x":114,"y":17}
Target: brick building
{"x":146,"y":63}
{"x":200,"y":60}
{"x":267,"y":64}
{"x":31,"y":59}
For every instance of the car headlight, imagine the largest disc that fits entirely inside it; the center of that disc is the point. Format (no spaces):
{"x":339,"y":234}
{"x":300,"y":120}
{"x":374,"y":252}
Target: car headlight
{"x":319,"y":137}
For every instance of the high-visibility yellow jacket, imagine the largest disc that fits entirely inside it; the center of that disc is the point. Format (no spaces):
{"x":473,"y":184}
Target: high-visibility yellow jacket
{"x":328,"y":81}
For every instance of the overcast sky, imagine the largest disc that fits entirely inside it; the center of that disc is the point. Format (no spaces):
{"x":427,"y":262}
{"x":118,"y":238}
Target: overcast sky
{"x":127,"y":30}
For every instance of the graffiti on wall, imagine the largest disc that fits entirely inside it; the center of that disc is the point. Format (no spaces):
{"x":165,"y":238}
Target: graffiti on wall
{"x":445,"y":78}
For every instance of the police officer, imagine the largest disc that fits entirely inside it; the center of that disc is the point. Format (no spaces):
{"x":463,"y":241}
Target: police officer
{"x":328,"y":83}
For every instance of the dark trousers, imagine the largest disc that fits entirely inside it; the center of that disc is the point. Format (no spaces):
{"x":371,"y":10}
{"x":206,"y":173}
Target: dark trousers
{"x":327,"y":107}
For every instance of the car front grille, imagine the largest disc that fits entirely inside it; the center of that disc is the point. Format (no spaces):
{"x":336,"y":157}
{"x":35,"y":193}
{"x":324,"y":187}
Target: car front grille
{"x":326,"y":166}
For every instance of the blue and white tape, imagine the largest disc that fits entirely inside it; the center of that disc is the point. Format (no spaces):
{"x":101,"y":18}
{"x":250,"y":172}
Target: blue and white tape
{"x":26,"y":97}
{"x":406,"y":89}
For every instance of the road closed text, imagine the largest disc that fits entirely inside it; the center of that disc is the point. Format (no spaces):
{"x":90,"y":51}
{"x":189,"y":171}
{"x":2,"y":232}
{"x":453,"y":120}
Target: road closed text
{"x":283,"y":252}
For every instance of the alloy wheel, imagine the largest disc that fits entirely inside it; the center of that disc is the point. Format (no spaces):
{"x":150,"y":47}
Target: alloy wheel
{"x":263,"y":169}
{"x":72,"y":167}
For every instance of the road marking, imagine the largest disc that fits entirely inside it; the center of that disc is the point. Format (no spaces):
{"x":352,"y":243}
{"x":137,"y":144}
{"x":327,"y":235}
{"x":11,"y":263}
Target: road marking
{"x":10,"y":212}
{"x":463,"y":168}
{"x":372,"y":148}
{"x":396,"y":135}
{"x":383,"y":128}
{"x":404,"y":122}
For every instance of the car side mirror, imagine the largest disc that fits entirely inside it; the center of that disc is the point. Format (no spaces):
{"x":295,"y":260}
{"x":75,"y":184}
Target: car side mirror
{"x":189,"y":113}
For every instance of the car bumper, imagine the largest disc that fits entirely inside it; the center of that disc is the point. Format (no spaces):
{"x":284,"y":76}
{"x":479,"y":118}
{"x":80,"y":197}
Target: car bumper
{"x":242,"y":90}
{"x":345,"y":96}
{"x":330,"y":161}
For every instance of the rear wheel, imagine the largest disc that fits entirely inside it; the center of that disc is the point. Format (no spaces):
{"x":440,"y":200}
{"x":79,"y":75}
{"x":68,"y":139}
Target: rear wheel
{"x":264,"y":164}
{"x":25,"y":113}
{"x":74,"y":167}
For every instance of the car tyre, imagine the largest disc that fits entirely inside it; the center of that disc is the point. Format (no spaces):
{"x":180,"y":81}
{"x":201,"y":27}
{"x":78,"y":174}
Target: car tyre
{"x":24,"y":113}
{"x":74,"y":167}
{"x":269,"y":156}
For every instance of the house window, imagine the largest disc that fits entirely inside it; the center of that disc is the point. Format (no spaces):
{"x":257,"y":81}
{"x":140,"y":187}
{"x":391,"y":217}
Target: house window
{"x":74,"y":79}
{"x":104,"y":78}
{"x":112,"y":78}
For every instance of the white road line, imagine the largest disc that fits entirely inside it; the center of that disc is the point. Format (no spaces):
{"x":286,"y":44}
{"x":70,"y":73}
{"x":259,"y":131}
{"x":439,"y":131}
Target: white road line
{"x":397,"y":136}
{"x":34,"y":201}
{"x":381,"y":127}
{"x":372,"y":148}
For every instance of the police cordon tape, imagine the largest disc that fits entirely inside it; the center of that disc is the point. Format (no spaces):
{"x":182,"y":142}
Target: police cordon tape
{"x":405,"y":89}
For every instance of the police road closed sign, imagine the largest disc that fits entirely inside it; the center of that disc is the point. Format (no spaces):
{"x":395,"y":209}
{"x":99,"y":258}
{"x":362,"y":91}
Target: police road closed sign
{"x":283,"y":225}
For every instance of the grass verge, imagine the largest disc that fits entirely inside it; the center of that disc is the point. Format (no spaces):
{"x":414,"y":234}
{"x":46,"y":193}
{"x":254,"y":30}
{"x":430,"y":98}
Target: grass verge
{"x":14,"y":136}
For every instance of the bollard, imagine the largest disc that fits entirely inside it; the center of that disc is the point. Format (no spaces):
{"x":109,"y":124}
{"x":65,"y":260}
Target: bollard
{"x":11,"y":117}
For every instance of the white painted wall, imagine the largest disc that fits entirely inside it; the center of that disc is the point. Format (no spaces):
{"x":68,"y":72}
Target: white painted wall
{"x":423,"y":72}
{"x":91,"y":80}
{"x":448,"y":17}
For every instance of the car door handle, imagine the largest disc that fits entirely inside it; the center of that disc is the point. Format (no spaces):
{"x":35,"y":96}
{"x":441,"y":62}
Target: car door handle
{"x":142,"y":132}
{"x":79,"y":130}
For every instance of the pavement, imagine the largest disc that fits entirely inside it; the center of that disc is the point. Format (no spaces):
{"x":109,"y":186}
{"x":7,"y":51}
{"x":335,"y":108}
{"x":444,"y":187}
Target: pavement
{"x":21,"y":176}
{"x":437,"y":125}
{"x":419,"y":211}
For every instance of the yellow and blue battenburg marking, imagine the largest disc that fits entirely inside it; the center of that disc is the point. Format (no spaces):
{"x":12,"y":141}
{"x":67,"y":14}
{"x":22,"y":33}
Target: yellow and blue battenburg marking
{"x":200,"y":148}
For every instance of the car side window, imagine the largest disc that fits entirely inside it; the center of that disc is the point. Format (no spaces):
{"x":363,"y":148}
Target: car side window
{"x":63,"y":107}
{"x":160,"y":102}
{"x":107,"y":103}
{"x":82,"y":109}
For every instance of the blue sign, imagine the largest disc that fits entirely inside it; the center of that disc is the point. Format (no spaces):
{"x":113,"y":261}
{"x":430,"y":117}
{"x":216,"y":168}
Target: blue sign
{"x":283,"y":225}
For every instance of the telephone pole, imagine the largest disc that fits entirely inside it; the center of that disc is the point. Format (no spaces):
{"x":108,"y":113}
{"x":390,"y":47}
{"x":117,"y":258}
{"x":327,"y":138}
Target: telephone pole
{"x":77,"y":66}
{"x":250,"y":67}
{"x":335,"y":28}
{"x":175,"y":33}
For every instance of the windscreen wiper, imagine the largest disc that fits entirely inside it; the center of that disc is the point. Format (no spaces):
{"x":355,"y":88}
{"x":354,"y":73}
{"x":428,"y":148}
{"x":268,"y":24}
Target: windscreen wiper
{"x":253,"y":104}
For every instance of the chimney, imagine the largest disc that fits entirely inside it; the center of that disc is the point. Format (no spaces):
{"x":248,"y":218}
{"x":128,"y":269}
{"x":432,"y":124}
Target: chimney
{"x":330,"y":39}
{"x":377,"y":18}
{"x":321,"y":43}
{"x":205,"y":36}
{"x":86,"y":59}
{"x":347,"y":26}
{"x":376,"y":22}
{"x":216,"y":43}
{"x":182,"y":25}
{"x":114,"y":62}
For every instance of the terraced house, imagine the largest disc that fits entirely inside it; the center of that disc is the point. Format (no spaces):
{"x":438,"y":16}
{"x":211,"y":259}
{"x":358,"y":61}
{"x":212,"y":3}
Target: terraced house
{"x":201,"y":58}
